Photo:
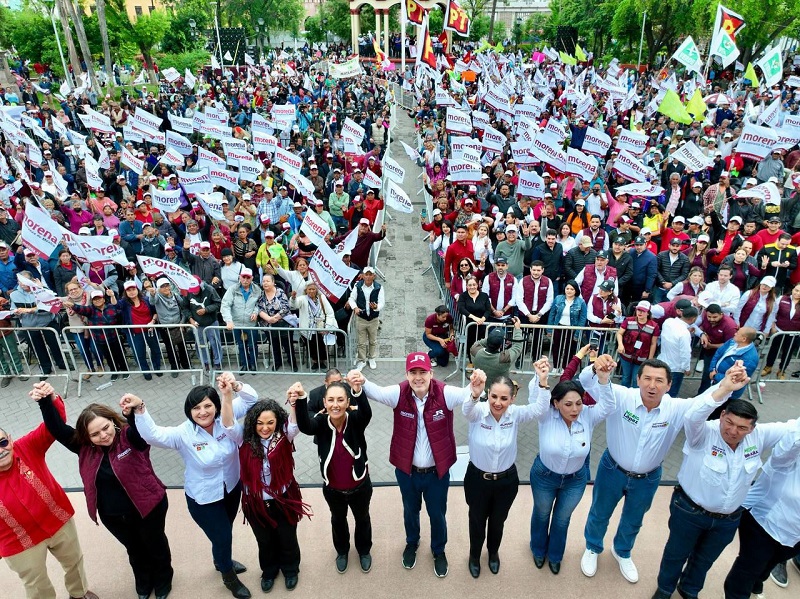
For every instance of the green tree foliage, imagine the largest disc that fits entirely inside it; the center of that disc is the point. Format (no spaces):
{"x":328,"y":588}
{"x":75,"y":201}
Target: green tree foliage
{"x":146,"y":32}
{"x":31,"y":33}
{"x":178,"y":38}
{"x":185,"y":60}
{"x":278,"y":15}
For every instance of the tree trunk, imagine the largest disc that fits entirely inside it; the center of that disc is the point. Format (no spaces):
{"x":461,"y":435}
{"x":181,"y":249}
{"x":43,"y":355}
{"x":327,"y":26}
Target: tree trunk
{"x":148,"y":64}
{"x":74,"y":60}
{"x":491,"y":22}
{"x":103,"y":24}
{"x":77,"y":20}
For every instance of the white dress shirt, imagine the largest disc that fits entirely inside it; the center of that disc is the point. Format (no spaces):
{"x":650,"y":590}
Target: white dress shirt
{"x":563,"y":449}
{"x":638,"y":439}
{"x":502,"y":301}
{"x":390,"y":396}
{"x":727,"y":298}
{"x":676,"y":344}
{"x":757,"y":315}
{"x":714,"y":476}
{"x":211,"y":461}
{"x":774,"y":499}
{"x":598,"y":318}
{"x":492,"y":442}
{"x":678,"y":288}
{"x":519,"y":297}
{"x":367,"y":292}
{"x":599,"y":278}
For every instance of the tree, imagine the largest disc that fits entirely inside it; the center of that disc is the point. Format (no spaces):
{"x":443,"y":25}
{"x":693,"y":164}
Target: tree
{"x":63,"y":16}
{"x":101,"y":20}
{"x":31,"y":33}
{"x":146,"y":32}
{"x":278,"y":15}
{"x":667,"y":20}
{"x":77,"y":20}
{"x":178,"y":37}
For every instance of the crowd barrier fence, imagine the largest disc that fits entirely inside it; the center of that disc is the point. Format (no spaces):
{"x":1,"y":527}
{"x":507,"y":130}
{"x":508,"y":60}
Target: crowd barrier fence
{"x":33,"y":351}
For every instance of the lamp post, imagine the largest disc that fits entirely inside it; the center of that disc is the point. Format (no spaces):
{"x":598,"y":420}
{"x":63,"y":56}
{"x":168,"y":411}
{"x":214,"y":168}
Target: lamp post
{"x":193,"y":31}
{"x":517,"y":32}
{"x":325,"y":27}
{"x":260,"y":31}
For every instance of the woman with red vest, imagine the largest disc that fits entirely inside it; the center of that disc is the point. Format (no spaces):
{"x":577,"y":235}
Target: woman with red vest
{"x":466,"y":270}
{"x":491,"y":481}
{"x":121,"y":487}
{"x":637,"y":339}
{"x":786,"y":320}
{"x":699,"y":255}
{"x":423,"y":447}
{"x":604,"y":309}
{"x":271,"y":498}
{"x":755,"y":307}
{"x":692,"y":286}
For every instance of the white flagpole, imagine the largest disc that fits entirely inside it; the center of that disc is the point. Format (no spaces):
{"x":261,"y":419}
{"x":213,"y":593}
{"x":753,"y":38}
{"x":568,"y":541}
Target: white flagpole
{"x":403,"y":24}
{"x":641,"y":42}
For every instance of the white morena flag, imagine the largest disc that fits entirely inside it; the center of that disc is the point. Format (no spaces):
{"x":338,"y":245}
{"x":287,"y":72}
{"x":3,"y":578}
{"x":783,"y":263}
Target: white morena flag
{"x":189,"y":79}
{"x":166,"y":200}
{"x":767,"y":192}
{"x":771,"y":115}
{"x":330,"y":273}
{"x":228,"y":56}
{"x":393,"y":170}
{"x":397,"y":198}
{"x":756,"y":142}
{"x":530,"y":185}
{"x":156,"y":267}
{"x":772,"y":66}
{"x":647,"y":190}
{"x":692,"y":156}
{"x":215,"y":63}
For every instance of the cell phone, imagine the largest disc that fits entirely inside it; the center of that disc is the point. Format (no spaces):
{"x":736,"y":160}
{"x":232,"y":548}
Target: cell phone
{"x":594,"y":340}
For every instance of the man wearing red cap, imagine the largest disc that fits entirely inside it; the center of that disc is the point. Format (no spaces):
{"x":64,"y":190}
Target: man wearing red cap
{"x":423,"y":447}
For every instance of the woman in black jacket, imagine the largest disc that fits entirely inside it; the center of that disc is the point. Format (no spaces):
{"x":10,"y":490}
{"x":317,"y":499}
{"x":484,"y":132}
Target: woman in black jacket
{"x":342,"y":449}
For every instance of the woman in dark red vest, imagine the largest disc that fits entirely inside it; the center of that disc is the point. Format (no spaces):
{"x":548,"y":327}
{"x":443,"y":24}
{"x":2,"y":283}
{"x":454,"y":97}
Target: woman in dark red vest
{"x":787,"y":320}
{"x":636,"y":342}
{"x":121,"y":487}
{"x":756,"y":306}
{"x":692,"y":286}
{"x":271,"y":499}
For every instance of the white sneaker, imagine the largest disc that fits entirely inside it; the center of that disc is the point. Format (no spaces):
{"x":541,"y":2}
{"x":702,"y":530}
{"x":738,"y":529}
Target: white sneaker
{"x":589,"y":563}
{"x":626,"y":567}
{"x":699,"y":366}
{"x":372,"y":364}
{"x":757,"y":596}
{"x":360,"y":365}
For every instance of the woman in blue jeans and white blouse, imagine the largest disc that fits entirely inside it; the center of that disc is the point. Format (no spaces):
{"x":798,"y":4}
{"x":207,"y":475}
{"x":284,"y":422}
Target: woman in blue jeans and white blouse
{"x":559,"y":474}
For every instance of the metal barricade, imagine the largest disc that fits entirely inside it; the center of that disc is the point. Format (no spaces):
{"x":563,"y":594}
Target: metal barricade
{"x":559,"y":343}
{"x":278,"y":350}
{"x":122,"y":350}
{"x":33,"y":351}
{"x":778,"y":353}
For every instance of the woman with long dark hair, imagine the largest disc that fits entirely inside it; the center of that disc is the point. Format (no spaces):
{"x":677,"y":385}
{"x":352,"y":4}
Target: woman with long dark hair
{"x":120,"y":485}
{"x":569,"y":309}
{"x":211,"y":477}
{"x":271,"y":499}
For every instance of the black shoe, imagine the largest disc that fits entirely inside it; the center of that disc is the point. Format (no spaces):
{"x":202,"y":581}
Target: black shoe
{"x":440,"y":567}
{"x":143,"y":595}
{"x":366,"y":562}
{"x":159,"y":374}
{"x":174,"y":374}
{"x":474,"y":567}
{"x":114,"y":377}
{"x":410,"y":556}
{"x":796,"y":563}
{"x":341,"y":563}
{"x":555,"y":567}
{"x":779,"y":575}
{"x":43,"y":377}
{"x":5,"y":382}
{"x":796,"y":374}
{"x":494,"y":563}
{"x":539,"y":561}
{"x":164,"y":594}
{"x":235,"y":586}
{"x":267,"y":584}
{"x":148,"y":377}
{"x":660,"y":595}
{"x":291,"y":582}
{"x":126,"y":376}
{"x":238,"y":567}
{"x":684,"y":594}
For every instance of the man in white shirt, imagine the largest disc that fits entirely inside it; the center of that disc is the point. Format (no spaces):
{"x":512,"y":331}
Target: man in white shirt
{"x":721,"y":460}
{"x":423,"y":447}
{"x":639,"y":433}
{"x":367,"y":301}
{"x":676,"y":346}
{"x":500,"y":286}
{"x":721,"y":292}
{"x":533,"y":297}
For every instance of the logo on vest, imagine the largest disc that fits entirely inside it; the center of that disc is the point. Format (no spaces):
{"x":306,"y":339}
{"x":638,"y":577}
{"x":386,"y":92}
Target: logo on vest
{"x":406,"y":414}
{"x":437,"y":415}
{"x":123,"y":454}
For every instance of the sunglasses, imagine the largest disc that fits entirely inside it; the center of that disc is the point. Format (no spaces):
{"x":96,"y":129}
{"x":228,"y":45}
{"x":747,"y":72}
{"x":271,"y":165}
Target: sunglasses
{"x":4,"y":442}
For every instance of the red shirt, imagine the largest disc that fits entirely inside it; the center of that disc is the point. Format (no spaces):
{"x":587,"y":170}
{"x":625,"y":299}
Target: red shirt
{"x":340,"y":468}
{"x":669,"y":234}
{"x":140,"y":314}
{"x":35,"y":506}
{"x":766,"y":238}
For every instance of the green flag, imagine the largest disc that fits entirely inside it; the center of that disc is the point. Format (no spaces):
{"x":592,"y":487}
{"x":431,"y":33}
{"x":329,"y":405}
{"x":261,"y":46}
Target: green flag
{"x":772,"y":66}
{"x":580,"y":54}
{"x":688,"y":55}
{"x":672,"y":107}
{"x":724,"y":47}
{"x":696,"y":106}
{"x":567,"y":59}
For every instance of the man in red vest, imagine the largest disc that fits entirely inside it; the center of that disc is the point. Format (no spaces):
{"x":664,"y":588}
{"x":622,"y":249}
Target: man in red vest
{"x":423,"y":446}
{"x":37,"y":517}
{"x":500,"y":286}
{"x":592,"y":275}
{"x":534,"y":296}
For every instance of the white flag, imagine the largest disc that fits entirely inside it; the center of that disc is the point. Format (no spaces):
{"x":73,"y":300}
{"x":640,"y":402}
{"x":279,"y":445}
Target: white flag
{"x":688,"y":55}
{"x":189,"y":79}
{"x":772,"y":66}
{"x":397,"y":198}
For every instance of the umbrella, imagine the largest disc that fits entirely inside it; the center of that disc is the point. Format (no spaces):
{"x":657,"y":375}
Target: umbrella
{"x":717,"y":99}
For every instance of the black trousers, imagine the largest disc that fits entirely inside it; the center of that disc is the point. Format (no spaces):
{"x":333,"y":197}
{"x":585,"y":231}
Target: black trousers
{"x":216,"y":521}
{"x":41,"y":342}
{"x":759,"y":553}
{"x":358,"y":501}
{"x":176,"y":348}
{"x":147,"y":546}
{"x":489,"y":502}
{"x":278,"y":548}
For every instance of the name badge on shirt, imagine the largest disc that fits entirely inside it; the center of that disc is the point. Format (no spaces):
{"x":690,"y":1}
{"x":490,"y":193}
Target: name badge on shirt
{"x":664,"y":424}
{"x":750,"y":452}
{"x":199,"y":446}
{"x":717,"y":451}
{"x":486,"y":427}
{"x":222,"y":436}
{"x":637,"y":345}
{"x":123,"y":454}
{"x":506,"y":425}
{"x":437,"y":415}
{"x":630,"y":418}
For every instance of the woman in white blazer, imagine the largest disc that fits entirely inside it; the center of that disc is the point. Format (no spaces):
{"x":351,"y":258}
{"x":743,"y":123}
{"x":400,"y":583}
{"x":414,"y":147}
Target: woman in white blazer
{"x":315,"y":312}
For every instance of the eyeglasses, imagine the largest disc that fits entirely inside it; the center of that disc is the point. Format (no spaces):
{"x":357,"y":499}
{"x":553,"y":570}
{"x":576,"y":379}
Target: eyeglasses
{"x":4,"y":442}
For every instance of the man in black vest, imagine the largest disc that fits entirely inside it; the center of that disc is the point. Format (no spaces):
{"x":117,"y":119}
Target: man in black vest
{"x":367,"y":301}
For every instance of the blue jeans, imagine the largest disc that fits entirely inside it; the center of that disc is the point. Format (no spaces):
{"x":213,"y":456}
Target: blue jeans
{"x":247,"y":348}
{"x":437,"y":352}
{"x":610,"y":486}
{"x":88,"y":350}
{"x":696,"y":540}
{"x":433,"y":489}
{"x":209,"y":338}
{"x":555,"y":497}
{"x":629,"y":372}
{"x":677,"y":381}
{"x":137,"y":341}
